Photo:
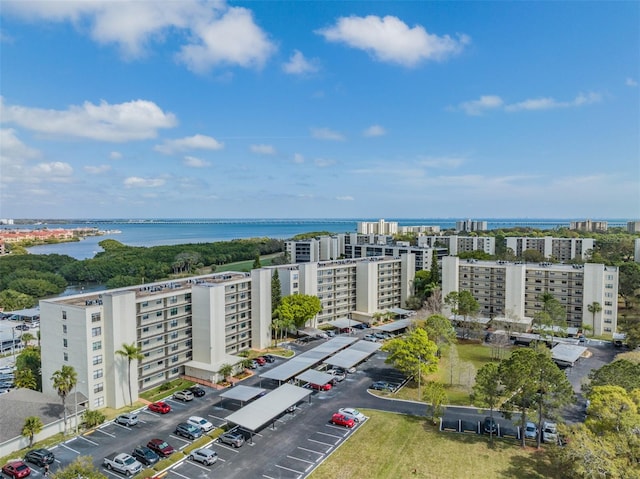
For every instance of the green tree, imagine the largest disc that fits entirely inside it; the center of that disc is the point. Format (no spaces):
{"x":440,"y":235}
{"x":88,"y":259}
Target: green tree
{"x":64,"y":380}
{"x":435,"y":269}
{"x":464,"y":304}
{"x":11,"y":300}
{"x":631,"y":328}
{"x":226,"y":370}
{"x":276,"y":290}
{"x":32,"y":426}
{"x":26,"y":338}
{"x":131,"y":353}
{"x":621,"y":372}
{"x":532,"y":256}
{"x":421,"y":280}
{"x":298,"y":308}
{"x":487,"y":389}
{"x":628,"y":282}
{"x":256,"y":262}
{"x":439,"y":329}
{"x":594,"y":308}
{"x":25,"y":379}
{"x":435,"y":395}
{"x":92,"y":418}
{"x":30,"y":359}
{"x":82,"y":467}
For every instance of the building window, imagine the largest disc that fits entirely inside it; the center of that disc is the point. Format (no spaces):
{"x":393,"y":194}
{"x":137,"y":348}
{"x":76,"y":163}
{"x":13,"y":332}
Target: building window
{"x":64,"y":315}
{"x":65,"y":343}
{"x":66,"y":356}
{"x":64,"y":329}
{"x":97,"y":359}
{"x":97,"y":374}
{"x":98,"y":402}
{"x":173,"y":311}
{"x":95,"y":317}
{"x":97,"y":345}
{"x":96,"y":331}
{"x":98,"y":388}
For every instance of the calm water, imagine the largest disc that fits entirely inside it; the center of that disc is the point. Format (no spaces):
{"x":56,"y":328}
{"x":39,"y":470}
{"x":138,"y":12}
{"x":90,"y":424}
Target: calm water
{"x":168,"y":232}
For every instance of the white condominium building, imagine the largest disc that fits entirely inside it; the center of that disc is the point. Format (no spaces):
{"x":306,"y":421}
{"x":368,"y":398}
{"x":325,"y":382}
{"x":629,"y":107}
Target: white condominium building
{"x":364,"y":285}
{"x":460,"y":244}
{"x":471,"y":225}
{"x":560,"y":249}
{"x":636,"y":250}
{"x":513,"y":289}
{"x":423,"y":256}
{"x":419,"y":229}
{"x":322,"y":248}
{"x":380,"y":227}
{"x":633,"y":227}
{"x":200,"y":320}
{"x":589,"y":225}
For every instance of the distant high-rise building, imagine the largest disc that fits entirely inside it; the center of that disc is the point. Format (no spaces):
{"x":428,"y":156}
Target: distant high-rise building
{"x":633,"y":227}
{"x":471,"y":225}
{"x":560,"y":249}
{"x":380,"y":227}
{"x":589,"y":225}
{"x":460,"y":244}
{"x":636,"y":249}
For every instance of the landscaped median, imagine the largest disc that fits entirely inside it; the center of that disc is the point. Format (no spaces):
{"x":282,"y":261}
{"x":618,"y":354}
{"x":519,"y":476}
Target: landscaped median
{"x":161,"y":467}
{"x":391,"y":446}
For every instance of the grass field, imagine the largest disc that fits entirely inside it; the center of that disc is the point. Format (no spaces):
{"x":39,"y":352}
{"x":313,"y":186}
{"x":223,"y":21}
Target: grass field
{"x":392,"y":446}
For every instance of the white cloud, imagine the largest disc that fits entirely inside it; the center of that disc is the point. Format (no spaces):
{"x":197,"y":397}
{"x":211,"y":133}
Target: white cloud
{"x":327,"y":134}
{"x":485,"y":102}
{"x":95,"y":170}
{"x":299,"y":65}
{"x":137,"y":182}
{"x":193,"y":162}
{"x":115,"y":155}
{"x":374,"y":130}
{"x":13,"y":149}
{"x":324,"y":163}
{"x":549,"y":103}
{"x":298,"y":158}
{"x":195,"y":142}
{"x":52,"y":170}
{"x":391,"y":40}
{"x":263,"y":149}
{"x":630,"y":82}
{"x":215,"y":32}
{"x":134,"y":120}
{"x":345,"y":198}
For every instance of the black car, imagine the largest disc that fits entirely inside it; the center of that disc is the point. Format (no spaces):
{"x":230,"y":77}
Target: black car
{"x":197,"y":391}
{"x":40,"y":457}
{"x":22,"y":327}
{"x":269,"y":358}
{"x":145,"y":455}
{"x":360,"y":326}
{"x":489,"y":425}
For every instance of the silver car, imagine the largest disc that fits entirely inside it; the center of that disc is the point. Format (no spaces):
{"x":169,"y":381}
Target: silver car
{"x":129,"y":419}
{"x":204,"y":456}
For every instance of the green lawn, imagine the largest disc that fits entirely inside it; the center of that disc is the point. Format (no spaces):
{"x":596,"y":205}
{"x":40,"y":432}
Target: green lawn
{"x":394,"y":446}
{"x":246,"y":265}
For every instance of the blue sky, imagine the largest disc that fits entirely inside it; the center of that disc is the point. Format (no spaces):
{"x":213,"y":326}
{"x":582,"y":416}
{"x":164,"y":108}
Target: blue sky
{"x":117,"y":109}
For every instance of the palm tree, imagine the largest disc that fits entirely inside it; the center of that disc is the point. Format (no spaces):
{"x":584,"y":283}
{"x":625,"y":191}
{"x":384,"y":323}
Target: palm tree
{"x":225,"y":371}
{"x":132,"y":353}
{"x":32,"y":426}
{"x":64,"y":380}
{"x":26,"y":379}
{"x":26,"y":337}
{"x":594,"y":308}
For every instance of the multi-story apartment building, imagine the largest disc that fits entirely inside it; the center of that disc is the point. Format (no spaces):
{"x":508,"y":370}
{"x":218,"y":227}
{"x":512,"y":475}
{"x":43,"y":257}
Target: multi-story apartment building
{"x":380,"y":227}
{"x":633,"y":227}
{"x":459,"y":244}
{"x":589,"y":225}
{"x":636,"y":250}
{"x":310,"y":250}
{"x":424,"y":229}
{"x":198,"y":321}
{"x":471,"y":225}
{"x":514,"y":289}
{"x":363,"y":286}
{"x":559,"y":249}
{"x":423,"y":256}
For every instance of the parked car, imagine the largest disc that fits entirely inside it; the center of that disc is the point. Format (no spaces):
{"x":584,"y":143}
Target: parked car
{"x":22,"y":327}
{"x":320,"y":387}
{"x":197,"y":391}
{"x":254,"y":364}
{"x":530,"y":430}
{"x":352,"y":412}
{"x":232,"y":438}
{"x":342,"y":420}
{"x":145,"y":455}
{"x":370,"y":337}
{"x":204,"y":456}
{"x":40,"y":457}
{"x":200,"y":422}
{"x":331,"y":333}
{"x":189,"y":431}
{"x":184,"y":395}
{"x":16,"y":469}
{"x":338,"y":376}
{"x":128,"y":419}
{"x":382,"y":386}
{"x":261,"y":361}
{"x":489,"y":425}
{"x":549,"y":432}
{"x":161,"y":407}
{"x":380,"y":336}
{"x":161,"y":447}
{"x":269,"y":358}
{"x":360,"y":326}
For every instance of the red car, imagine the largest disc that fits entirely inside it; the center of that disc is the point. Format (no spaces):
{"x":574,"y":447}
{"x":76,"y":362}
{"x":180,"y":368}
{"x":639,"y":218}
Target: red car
{"x":342,"y":420}
{"x":261,"y":360}
{"x":161,"y":407}
{"x":320,"y":387}
{"x":16,"y":469}
{"x":162,"y":448}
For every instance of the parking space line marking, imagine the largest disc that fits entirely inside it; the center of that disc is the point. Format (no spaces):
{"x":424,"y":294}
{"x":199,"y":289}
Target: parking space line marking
{"x":67,"y":447}
{"x":330,"y":435}
{"x":233,"y":449}
{"x":289,"y":469}
{"x":311,"y":450}
{"x":194,"y":463}
{"x":268,"y":477}
{"x":178,"y":474}
{"x":89,"y":441}
{"x":320,"y":442}
{"x":123,"y":426}
{"x":110,"y":472}
{"x":150,"y":412}
{"x":179,"y":438}
{"x":108,"y":434}
{"x":216,"y":417}
{"x":301,"y":460}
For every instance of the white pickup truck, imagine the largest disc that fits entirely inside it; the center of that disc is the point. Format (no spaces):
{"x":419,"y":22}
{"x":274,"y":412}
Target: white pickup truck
{"x":122,"y":463}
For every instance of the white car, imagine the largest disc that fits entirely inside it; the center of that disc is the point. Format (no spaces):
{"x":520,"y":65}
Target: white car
{"x":353,"y":413}
{"x":200,"y":422}
{"x":204,"y":456}
{"x":549,"y":432}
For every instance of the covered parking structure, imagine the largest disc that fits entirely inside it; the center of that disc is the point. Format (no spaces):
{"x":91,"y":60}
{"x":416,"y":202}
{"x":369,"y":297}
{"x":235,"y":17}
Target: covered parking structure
{"x":343,"y":323}
{"x":354,"y":355}
{"x":242,"y":394}
{"x":314,"y":377}
{"x":401,"y":313}
{"x":265,"y":410}
{"x":567,"y":354}
{"x":395,"y":327}
{"x":304,"y":361}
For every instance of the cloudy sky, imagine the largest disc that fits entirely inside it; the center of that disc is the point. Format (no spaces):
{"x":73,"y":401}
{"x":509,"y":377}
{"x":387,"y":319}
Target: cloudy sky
{"x":207,"y":109}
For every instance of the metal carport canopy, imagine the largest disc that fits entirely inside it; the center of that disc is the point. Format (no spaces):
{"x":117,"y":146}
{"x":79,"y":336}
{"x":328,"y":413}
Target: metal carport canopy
{"x":342,"y":323}
{"x":315,"y":377}
{"x":567,"y":353}
{"x":395,"y":326}
{"x":242,"y":393}
{"x":353,"y":355}
{"x":300,"y":363}
{"x":262,"y":411}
